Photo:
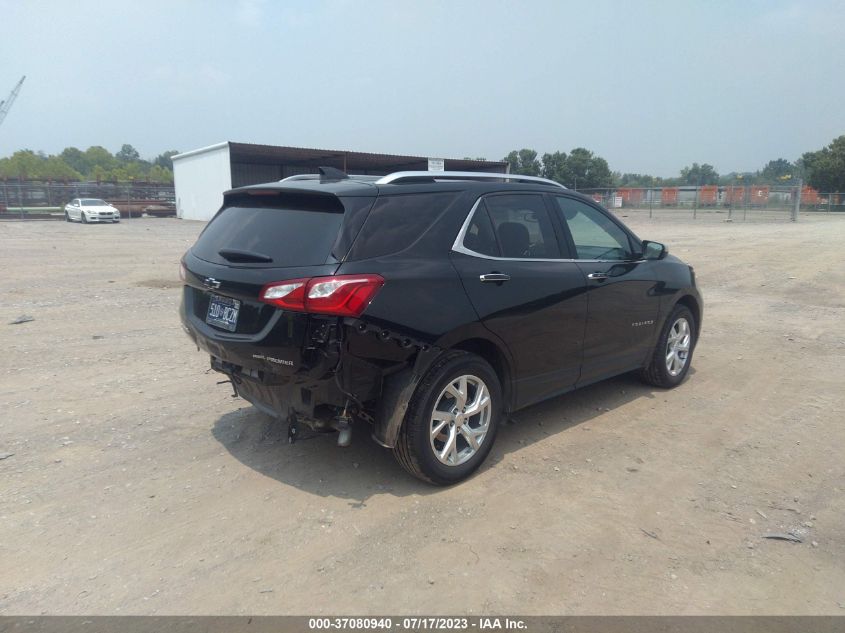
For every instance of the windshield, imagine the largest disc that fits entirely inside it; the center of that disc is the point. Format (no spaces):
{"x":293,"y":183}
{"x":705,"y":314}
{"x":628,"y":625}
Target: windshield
{"x":94,"y":202}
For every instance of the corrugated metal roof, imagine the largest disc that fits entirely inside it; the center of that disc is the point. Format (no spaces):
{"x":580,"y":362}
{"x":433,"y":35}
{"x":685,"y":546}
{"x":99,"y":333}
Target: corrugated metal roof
{"x":348,"y":160}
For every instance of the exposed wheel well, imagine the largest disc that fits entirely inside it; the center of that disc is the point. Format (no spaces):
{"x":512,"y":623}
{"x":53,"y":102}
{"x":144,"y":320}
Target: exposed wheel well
{"x":690,"y":302}
{"x":493,"y":355}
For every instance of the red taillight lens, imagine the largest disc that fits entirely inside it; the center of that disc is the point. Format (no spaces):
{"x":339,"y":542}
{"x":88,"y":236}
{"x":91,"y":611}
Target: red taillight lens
{"x":289,"y":295}
{"x":341,"y":295}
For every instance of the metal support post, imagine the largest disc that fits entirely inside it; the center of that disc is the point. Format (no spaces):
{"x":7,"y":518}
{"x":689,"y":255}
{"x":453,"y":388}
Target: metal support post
{"x":797,"y":206}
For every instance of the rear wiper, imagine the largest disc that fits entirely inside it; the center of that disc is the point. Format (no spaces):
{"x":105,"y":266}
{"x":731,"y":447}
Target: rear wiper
{"x":234,"y":255}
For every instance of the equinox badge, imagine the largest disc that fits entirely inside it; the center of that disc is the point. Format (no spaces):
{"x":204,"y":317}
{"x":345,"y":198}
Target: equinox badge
{"x":211,"y":282}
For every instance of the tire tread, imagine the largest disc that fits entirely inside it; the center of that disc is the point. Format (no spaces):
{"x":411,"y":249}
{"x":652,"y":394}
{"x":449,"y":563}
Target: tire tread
{"x":403,"y":451}
{"x":653,"y":372}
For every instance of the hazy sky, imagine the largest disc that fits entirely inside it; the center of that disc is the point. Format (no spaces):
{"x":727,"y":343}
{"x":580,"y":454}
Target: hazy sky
{"x":650,"y":86}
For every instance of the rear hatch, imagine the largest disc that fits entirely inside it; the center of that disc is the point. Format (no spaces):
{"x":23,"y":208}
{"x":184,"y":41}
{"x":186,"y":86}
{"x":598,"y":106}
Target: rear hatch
{"x":261,"y":237}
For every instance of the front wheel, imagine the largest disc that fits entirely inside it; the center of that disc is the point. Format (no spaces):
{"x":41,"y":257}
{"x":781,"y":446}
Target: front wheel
{"x":67,"y":217}
{"x":672,"y":357}
{"x":452,"y":420}
{"x":82,"y":217}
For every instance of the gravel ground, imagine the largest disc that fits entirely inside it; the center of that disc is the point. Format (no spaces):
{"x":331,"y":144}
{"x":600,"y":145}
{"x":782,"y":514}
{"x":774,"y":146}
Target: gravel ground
{"x":131,"y":483}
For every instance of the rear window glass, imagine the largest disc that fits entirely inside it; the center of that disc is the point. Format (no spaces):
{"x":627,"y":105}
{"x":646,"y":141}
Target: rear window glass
{"x":289,"y":236}
{"x":396,"y":222}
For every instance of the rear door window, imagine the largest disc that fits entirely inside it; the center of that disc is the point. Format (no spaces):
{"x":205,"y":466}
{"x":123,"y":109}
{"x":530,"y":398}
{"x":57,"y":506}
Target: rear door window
{"x":522,"y":226}
{"x":291,"y":231}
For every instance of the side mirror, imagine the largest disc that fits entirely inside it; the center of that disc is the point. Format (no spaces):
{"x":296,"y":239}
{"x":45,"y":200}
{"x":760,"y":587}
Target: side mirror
{"x":654,"y":250}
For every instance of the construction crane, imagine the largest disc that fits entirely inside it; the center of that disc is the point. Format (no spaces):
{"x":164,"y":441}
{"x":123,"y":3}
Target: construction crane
{"x":6,"y":105}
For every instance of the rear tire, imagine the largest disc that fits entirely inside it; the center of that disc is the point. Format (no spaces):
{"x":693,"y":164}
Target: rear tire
{"x":672,"y":355}
{"x":452,"y":419}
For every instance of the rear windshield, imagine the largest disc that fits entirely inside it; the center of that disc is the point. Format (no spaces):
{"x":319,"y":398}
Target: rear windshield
{"x":290,"y":235}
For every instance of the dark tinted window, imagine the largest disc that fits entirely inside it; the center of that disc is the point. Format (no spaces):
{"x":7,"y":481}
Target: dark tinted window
{"x":596,"y":236}
{"x":479,"y":236}
{"x":290,"y":235}
{"x":396,"y":222}
{"x":523,"y":227}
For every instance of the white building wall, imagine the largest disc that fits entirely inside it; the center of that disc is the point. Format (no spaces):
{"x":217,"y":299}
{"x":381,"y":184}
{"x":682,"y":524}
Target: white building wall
{"x":200,"y":177}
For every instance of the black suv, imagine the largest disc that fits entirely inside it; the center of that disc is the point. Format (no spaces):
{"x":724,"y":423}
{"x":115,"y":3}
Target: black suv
{"x":426,"y":306}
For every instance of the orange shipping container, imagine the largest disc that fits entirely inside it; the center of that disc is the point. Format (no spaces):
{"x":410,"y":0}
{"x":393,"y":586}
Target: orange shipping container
{"x":630,"y":197}
{"x":669,"y":196}
{"x":708,"y":195}
{"x":759,"y":195}
{"x":809,"y":196}
{"x":734,"y":195}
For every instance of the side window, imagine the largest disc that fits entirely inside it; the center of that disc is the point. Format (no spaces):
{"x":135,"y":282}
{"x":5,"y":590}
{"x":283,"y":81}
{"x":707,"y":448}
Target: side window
{"x":595,"y":235}
{"x":479,"y":237}
{"x":395,"y":222}
{"x":522,"y":226}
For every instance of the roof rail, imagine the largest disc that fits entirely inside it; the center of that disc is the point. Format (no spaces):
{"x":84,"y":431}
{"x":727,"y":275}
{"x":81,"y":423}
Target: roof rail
{"x":301,"y":177}
{"x":358,"y":177}
{"x":400,"y":176}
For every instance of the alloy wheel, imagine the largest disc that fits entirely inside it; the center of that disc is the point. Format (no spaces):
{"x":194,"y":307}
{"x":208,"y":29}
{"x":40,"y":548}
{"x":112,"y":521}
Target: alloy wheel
{"x":460,"y":420}
{"x":678,"y":346}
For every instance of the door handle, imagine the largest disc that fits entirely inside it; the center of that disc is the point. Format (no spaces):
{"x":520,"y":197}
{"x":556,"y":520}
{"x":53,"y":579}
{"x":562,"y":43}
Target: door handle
{"x":494,"y":278}
{"x":598,"y":276}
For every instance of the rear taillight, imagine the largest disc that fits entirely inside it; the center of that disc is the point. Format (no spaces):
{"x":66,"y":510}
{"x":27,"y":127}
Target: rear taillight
{"x":341,"y":295}
{"x":183,"y":272}
{"x":289,"y":294}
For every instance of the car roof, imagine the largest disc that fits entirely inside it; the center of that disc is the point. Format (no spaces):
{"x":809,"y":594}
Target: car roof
{"x":403,"y":183}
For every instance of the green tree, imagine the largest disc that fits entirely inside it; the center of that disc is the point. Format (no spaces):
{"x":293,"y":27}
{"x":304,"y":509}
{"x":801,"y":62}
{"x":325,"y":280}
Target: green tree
{"x":699,"y":175}
{"x":524,"y":162}
{"x":638,"y":180}
{"x":97,"y":155}
{"x":127,"y":154}
{"x":98,"y":173}
{"x":160,"y":174}
{"x":57,"y":169}
{"x":588,"y":170}
{"x":24,"y":164}
{"x":556,"y":167}
{"x":165,"y":159}
{"x":825,"y":169}
{"x":75,"y":159}
{"x":776,"y":171}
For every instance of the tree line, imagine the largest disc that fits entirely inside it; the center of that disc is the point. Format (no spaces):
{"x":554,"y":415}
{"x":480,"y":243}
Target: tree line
{"x":824,"y":170}
{"x":95,"y":163}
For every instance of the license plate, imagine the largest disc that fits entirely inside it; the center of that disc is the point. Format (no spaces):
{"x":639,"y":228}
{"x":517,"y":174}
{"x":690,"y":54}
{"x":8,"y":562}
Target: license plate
{"x":223,"y":312}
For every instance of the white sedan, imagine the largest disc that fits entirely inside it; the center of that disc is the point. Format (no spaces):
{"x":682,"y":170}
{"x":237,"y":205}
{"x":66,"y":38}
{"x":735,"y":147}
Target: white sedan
{"x":91,"y":210}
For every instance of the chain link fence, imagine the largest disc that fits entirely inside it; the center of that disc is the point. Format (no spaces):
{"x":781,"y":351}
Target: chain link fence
{"x":718,"y":202}
{"x":28,"y":199}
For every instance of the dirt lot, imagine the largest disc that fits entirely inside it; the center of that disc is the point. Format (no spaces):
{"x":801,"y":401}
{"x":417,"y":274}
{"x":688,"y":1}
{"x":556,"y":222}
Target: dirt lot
{"x":136,"y":485}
